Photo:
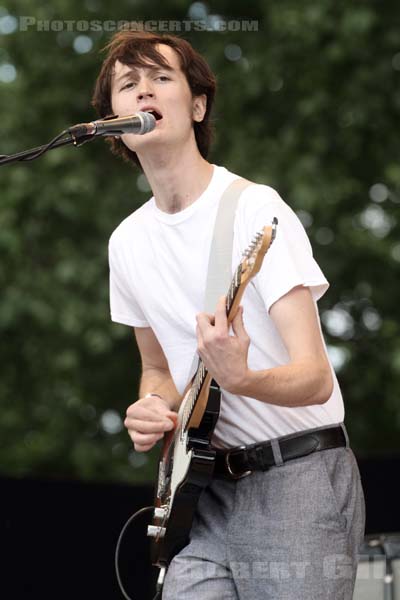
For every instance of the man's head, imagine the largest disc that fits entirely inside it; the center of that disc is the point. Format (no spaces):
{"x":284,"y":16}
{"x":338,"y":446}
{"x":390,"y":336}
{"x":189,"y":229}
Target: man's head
{"x":143,"y":70}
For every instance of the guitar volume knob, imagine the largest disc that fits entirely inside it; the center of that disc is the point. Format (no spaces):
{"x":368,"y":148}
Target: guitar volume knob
{"x":160,"y":513}
{"x":155,"y":531}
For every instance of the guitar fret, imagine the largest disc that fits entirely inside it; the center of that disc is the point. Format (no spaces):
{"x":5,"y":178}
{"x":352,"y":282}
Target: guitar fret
{"x":194,"y":394}
{"x":233,"y":288}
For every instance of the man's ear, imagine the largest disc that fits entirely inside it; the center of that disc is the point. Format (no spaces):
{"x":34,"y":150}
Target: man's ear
{"x":199,"y":107}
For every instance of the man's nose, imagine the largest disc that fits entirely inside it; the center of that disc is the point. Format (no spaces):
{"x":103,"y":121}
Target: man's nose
{"x":144,"y":90}
{"x":143,"y":95}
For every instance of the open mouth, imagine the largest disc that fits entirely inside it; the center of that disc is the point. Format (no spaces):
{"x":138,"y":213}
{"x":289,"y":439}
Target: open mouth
{"x":155,"y":114}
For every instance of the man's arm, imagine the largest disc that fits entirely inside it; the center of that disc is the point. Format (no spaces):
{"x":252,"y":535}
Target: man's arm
{"x":150,"y":417}
{"x":305,"y":380}
{"x":156,"y":377}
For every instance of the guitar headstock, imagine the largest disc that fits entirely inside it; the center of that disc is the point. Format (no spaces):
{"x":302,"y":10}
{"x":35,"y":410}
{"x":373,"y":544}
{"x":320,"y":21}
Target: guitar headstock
{"x":253,"y":256}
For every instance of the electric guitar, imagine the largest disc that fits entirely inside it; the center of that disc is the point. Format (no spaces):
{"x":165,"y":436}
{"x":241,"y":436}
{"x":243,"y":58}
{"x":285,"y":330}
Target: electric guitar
{"x":187,"y":458}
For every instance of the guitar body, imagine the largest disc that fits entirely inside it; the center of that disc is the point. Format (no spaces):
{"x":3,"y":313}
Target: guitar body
{"x":185,"y":469}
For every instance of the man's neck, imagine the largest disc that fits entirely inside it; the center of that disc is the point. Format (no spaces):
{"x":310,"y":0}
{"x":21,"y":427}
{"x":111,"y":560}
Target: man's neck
{"x":177,"y":179}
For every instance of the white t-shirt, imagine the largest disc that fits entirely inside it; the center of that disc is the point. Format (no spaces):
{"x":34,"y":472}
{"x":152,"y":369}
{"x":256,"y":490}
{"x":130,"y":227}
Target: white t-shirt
{"x":158,"y":270}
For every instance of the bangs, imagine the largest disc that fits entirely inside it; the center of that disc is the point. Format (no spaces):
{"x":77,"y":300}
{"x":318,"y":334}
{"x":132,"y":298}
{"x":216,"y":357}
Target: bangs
{"x":144,"y":56}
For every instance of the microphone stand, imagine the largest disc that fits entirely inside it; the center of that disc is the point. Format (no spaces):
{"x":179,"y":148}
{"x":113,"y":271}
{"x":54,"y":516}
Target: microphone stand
{"x":63,"y":139}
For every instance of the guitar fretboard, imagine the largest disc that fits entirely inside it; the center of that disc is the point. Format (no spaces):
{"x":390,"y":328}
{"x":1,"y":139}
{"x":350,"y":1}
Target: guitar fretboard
{"x":236,"y":282}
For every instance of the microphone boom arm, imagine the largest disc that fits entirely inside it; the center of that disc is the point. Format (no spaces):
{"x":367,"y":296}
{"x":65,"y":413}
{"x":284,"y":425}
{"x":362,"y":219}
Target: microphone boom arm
{"x":60,"y":140}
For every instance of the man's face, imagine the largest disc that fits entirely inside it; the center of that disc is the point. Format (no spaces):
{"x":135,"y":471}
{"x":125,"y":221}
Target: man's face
{"x":164,"y":91}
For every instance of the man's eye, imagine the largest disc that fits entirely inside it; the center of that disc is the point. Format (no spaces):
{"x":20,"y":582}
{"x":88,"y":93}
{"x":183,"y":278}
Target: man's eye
{"x":127,"y":85}
{"x":163,"y":78}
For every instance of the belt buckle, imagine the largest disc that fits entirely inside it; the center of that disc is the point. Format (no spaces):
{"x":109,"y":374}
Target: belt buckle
{"x":228,"y":466}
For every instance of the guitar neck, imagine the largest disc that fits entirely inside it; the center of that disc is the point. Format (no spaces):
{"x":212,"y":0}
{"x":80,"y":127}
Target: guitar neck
{"x":196,"y":399}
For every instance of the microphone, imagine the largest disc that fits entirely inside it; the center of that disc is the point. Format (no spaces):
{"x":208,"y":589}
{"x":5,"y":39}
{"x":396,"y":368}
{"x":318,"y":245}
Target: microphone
{"x":140,"y":123}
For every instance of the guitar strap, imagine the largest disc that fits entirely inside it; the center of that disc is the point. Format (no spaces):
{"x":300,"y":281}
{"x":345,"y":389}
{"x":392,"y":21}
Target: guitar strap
{"x":220,"y":262}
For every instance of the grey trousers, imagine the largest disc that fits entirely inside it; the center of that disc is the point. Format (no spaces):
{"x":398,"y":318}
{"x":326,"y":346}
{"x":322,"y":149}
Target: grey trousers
{"x":290,"y":533}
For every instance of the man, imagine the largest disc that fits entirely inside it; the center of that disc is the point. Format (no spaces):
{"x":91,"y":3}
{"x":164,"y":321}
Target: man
{"x":291,"y":530}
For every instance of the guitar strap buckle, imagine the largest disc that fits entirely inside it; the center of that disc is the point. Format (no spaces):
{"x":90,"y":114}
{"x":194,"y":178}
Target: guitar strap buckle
{"x":229,"y":467}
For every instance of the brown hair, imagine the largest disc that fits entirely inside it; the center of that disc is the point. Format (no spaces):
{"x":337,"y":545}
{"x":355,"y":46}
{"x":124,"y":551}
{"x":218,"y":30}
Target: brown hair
{"x":137,"y":48}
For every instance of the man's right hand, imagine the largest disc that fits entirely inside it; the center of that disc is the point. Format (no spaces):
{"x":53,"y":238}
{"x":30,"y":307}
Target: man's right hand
{"x":147,"y":420}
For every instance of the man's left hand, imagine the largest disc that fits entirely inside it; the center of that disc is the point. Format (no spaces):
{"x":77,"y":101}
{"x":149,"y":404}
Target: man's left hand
{"x":224,"y":355}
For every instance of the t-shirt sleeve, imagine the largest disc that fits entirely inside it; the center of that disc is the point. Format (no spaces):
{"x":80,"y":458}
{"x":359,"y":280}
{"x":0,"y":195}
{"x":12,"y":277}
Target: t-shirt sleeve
{"x":123,"y":304}
{"x":289,"y":261}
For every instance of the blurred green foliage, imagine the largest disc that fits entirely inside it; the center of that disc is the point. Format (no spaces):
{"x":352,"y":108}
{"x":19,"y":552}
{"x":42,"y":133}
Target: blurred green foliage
{"x":309,"y":104}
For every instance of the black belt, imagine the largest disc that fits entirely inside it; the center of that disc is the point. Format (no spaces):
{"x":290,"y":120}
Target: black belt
{"x":235,"y":463}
